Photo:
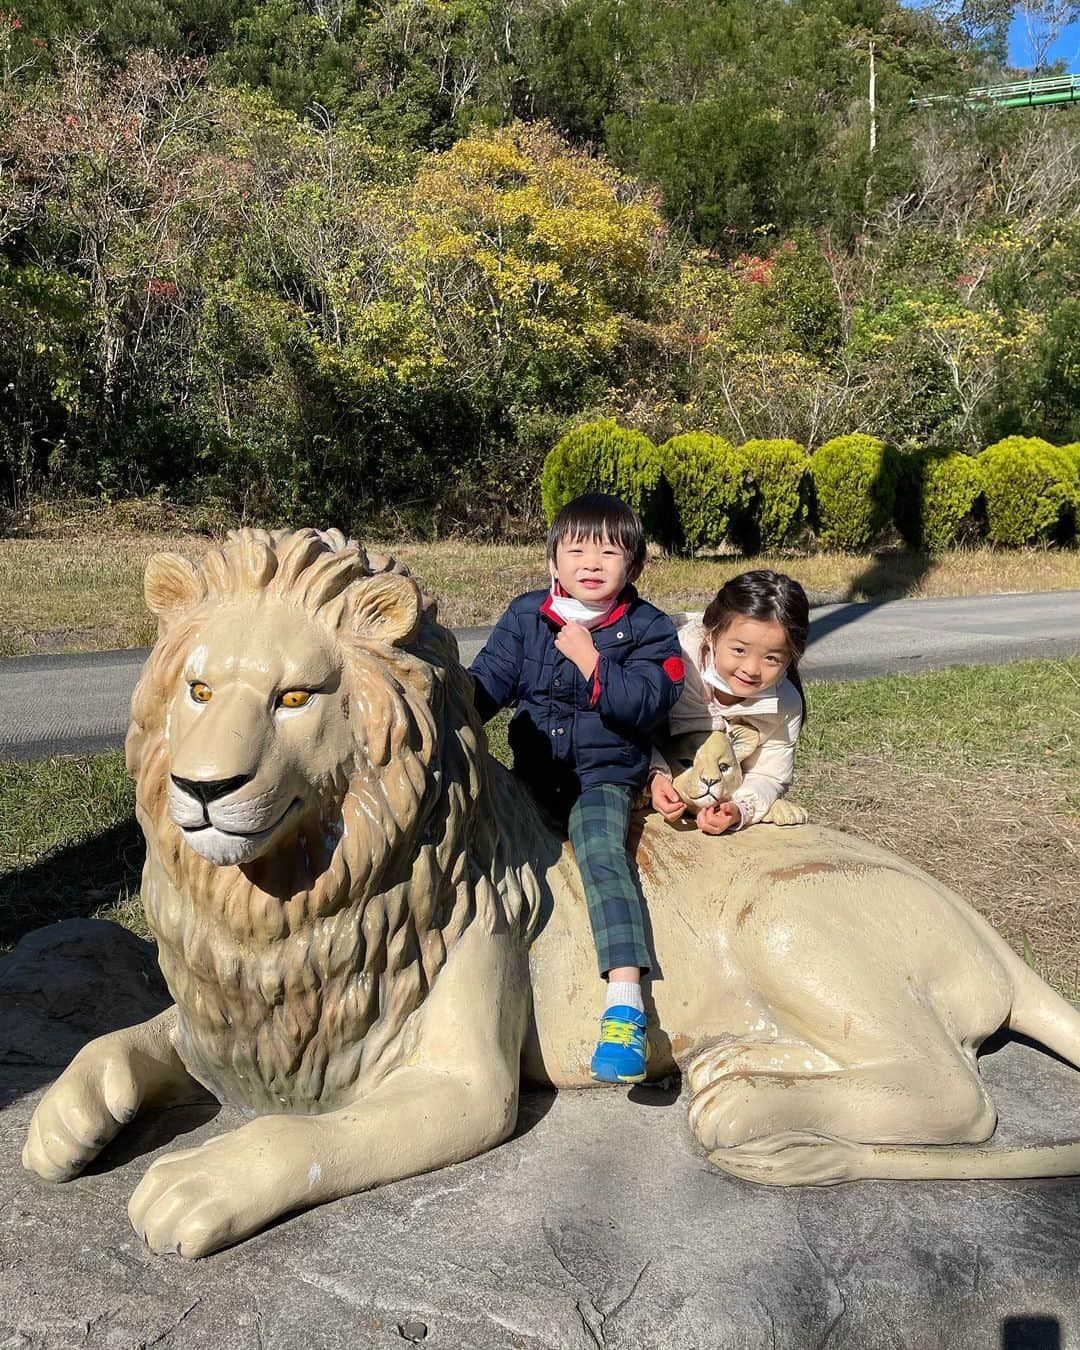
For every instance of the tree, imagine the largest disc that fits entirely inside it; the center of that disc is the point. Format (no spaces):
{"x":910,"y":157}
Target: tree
{"x":1044,"y":22}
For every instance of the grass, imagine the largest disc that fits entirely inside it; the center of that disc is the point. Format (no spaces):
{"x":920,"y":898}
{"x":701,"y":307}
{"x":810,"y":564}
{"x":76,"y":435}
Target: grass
{"x":76,"y":584}
{"x":974,"y":774}
{"x":69,"y":844}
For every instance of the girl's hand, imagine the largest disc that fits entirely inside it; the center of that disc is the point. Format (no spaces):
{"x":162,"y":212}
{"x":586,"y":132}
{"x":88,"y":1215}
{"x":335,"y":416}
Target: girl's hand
{"x":717,"y":819}
{"x":576,"y":644}
{"x":665,"y":799}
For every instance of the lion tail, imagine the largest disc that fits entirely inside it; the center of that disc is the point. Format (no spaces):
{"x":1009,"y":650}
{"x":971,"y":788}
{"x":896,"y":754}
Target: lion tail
{"x":1043,"y":1015}
{"x":948,"y":1161}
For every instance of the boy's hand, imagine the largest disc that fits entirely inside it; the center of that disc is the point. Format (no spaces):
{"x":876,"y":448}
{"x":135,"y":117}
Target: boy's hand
{"x":576,"y":644}
{"x":717,"y":819}
{"x":665,"y":799}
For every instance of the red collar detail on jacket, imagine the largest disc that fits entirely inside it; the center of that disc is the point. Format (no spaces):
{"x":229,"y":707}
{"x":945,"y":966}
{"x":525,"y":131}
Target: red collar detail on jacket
{"x":615,"y":615}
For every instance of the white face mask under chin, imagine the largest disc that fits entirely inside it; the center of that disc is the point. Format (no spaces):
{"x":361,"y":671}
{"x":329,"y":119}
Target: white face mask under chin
{"x":580,"y":611}
{"x":715,"y":680}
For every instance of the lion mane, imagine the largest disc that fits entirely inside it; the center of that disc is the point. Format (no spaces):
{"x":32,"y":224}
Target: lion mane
{"x":296,"y":974}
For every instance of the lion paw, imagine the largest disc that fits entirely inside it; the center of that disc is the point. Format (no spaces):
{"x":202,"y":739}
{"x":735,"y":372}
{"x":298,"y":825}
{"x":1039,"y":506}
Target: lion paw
{"x":730,"y":1056}
{"x":87,"y":1106}
{"x":792,"y":1158}
{"x":718,"y":1112}
{"x":783,"y":812}
{"x":718,"y":1059}
{"x":199,"y":1200}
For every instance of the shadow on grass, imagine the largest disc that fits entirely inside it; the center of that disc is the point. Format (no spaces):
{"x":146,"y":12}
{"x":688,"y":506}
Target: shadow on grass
{"x":71,"y":882}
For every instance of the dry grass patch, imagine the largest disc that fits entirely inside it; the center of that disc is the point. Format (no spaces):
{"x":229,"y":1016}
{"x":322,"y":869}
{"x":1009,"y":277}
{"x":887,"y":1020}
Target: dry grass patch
{"x":974,"y":775}
{"x":79,"y":594}
{"x":474,"y":582}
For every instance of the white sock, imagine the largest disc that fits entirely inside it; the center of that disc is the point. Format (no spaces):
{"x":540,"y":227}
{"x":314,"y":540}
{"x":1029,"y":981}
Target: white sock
{"x":625,"y":993}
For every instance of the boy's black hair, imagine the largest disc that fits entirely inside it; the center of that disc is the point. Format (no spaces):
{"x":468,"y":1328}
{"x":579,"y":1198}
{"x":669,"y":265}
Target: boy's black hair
{"x":597,"y":516}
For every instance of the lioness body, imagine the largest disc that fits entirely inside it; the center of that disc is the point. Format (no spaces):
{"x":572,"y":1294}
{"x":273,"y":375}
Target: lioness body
{"x":344,"y":889}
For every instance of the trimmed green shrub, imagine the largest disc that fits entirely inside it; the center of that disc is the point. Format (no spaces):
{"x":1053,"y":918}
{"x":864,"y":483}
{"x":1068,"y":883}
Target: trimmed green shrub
{"x":1073,"y":451}
{"x":936,"y":491}
{"x":854,"y":489}
{"x":1032,"y":490}
{"x":710,"y":487}
{"x":601,"y":456}
{"x":778,"y":475}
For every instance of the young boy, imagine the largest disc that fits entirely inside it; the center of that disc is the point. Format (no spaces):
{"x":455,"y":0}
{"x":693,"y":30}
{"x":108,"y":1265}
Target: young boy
{"x":591,"y":668}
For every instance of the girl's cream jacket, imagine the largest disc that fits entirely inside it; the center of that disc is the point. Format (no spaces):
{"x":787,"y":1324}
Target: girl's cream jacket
{"x":776,"y":715}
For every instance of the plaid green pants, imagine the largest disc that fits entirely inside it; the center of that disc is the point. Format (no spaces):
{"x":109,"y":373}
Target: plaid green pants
{"x":597,"y":829}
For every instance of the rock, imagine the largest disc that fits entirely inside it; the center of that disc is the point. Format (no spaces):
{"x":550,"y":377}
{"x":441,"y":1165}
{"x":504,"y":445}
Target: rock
{"x":71,"y":981}
{"x":599,"y":1226}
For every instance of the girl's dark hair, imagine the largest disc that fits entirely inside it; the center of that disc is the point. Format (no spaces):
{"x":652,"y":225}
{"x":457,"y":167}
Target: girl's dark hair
{"x":596,"y":516}
{"x":765,"y":595}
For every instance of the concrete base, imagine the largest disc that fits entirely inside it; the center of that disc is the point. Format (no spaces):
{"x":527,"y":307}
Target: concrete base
{"x":600,"y":1224}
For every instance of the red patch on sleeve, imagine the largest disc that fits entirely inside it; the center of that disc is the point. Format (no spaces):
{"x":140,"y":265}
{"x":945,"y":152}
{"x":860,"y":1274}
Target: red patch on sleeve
{"x":675,"y":668}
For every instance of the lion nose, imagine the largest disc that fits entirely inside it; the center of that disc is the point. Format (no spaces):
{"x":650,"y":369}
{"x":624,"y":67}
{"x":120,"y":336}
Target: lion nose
{"x":209,"y":790}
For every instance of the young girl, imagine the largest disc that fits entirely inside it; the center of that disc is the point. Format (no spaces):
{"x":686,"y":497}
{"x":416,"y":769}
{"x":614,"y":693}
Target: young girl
{"x":742,"y":664}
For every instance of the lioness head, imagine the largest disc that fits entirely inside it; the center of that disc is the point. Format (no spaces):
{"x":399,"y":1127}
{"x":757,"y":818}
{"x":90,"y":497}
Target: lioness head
{"x":706,"y":766}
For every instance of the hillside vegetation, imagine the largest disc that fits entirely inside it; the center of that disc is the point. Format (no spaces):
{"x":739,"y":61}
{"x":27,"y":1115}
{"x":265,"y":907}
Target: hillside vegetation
{"x":308,"y":259}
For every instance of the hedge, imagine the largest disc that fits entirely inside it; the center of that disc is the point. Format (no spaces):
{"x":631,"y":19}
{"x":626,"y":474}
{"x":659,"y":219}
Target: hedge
{"x":604,"y":457}
{"x":779,"y":474}
{"x":710,"y":486}
{"x":1032,"y":490}
{"x":698,"y":490}
{"x":937,"y":490}
{"x":854,"y":489}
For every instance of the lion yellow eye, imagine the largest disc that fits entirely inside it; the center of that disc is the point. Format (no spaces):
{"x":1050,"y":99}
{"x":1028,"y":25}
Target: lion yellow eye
{"x":295,"y":698}
{"x":201,"y":693}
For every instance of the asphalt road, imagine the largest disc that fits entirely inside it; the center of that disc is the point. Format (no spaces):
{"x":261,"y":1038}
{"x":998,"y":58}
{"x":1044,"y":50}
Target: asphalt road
{"x":78,"y":703}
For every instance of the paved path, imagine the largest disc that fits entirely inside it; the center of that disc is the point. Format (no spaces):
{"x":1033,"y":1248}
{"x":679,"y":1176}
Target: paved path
{"x":79,"y":703}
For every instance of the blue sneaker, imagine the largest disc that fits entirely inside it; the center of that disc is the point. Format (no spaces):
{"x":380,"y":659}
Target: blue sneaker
{"x":623,"y":1049}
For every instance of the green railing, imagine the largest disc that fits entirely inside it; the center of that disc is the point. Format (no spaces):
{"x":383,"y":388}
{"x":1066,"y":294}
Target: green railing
{"x":1020,"y":94}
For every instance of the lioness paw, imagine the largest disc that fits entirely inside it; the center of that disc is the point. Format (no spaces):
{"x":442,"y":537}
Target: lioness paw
{"x":783,"y":812}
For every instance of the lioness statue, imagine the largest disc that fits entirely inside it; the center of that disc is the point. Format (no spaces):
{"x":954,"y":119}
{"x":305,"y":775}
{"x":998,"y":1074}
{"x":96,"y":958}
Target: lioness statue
{"x":345,"y":890}
{"x":706,"y":768}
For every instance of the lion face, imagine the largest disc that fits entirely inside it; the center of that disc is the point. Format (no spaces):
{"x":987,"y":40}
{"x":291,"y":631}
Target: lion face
{"x":256,"y":726}
{"x":707,"y":766}
{"x":269,"y":694}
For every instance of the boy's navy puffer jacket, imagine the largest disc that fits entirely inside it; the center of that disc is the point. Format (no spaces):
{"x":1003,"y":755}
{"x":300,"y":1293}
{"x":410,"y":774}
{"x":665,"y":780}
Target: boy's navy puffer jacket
{"x":570,"y":733}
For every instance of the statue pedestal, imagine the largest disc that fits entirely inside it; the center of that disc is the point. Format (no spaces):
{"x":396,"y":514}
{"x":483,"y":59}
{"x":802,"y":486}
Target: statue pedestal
{"x":599,"y":1224}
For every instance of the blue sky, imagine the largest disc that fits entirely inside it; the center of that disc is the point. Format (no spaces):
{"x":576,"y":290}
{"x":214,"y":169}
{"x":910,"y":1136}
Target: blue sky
{"x":1067,"y":47}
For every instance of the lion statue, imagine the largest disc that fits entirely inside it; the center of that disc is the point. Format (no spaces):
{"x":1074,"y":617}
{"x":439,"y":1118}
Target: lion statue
{"x":369,"y":932}
{"x":706,"y":768}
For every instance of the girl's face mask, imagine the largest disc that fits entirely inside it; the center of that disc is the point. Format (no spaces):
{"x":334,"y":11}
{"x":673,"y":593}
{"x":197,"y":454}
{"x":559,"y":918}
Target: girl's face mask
{"x":748,"y":659}
{"x":715,"y":680}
